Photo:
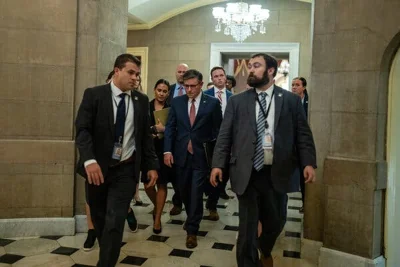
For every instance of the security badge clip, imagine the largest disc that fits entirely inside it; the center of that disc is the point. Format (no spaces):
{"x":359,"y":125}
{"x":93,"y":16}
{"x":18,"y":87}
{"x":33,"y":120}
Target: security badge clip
{"x":117,"y":150}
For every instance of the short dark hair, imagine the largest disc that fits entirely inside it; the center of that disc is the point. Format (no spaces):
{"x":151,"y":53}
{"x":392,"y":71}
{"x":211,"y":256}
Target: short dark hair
{"x":110,"y":75}
{"x":270,"y":61}
{"x":232,"y":79}
{"x":302,"y":79}
{"x":216,"y":68}
{"x":122,"y":59}
{"x":162,"y":81}
{"x":192,"y":73}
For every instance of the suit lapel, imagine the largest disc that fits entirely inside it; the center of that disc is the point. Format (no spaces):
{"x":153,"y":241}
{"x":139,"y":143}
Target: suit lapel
{"x":136,"y":108}
{"x":109,"y":108}
{"x":202,"y":108}
{"x":251,"y":108}
{"x":184,"y":111}
{"x":278,"y":105}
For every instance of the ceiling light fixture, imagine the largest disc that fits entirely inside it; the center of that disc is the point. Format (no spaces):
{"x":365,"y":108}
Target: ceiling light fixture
{"x":240,"y":20}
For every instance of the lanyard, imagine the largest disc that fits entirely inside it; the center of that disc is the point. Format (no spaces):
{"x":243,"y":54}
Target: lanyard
{"x":263,"y":111}
{"x":115,"y":102}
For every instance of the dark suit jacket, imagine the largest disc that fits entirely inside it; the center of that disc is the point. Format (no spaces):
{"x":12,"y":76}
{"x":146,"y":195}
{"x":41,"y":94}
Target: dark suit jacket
{"x":171,"y":93}
{"x":211,"y":92}
{"x":95,"y":130}
{"x":178,"y":131}
{"x":293,"y":144}
{"x":305,"y":104}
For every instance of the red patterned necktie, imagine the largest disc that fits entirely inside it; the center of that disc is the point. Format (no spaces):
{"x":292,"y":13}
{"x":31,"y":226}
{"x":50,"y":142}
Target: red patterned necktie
{"x":192,"y":117}
{"x":180,"y":91}
{"x":219,"y":93}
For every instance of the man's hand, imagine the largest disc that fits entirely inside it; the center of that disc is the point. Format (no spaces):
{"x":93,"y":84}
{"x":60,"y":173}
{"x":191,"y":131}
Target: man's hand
{"x":216,"y":175}
{"x":152,"y":176}
{"x":94,"y":174}
{"x":168,"y":159}
{"x":309,"y":174}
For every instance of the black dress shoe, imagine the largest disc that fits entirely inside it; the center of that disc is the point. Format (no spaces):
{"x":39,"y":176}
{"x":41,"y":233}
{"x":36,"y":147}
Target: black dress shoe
{"x":157,"y":231}
{"x":132,"y":222}
{"x":90,"y":240}
{"x":224,"y":195}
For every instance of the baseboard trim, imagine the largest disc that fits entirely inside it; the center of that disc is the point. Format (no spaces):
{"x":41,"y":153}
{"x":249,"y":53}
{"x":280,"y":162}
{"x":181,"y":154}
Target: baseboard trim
{"x":334,"y":258}
{"x":81,"y":224}
{"x":24,"y":227}
{"x":310,"y":250}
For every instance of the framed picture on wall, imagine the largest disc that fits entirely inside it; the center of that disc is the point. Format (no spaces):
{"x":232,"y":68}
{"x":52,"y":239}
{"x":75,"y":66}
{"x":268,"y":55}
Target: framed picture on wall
{"x":143,"y":54}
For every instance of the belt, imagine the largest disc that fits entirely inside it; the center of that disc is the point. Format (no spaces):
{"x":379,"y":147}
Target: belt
{"x":131,"y":159}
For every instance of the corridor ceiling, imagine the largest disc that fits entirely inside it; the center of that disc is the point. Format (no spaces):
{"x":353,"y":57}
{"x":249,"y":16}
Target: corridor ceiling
{"x":145,"y":14}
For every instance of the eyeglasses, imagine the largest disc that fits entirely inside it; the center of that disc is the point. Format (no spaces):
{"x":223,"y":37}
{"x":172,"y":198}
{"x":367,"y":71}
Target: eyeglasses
{"x":188,"y":86}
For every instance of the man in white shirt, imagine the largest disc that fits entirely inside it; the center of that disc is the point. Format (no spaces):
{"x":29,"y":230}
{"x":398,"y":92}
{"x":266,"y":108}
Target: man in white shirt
{"x":219,"y":91}
{"x":114,"y":141}
{"x":264,"y":136}
{"x":193,"y":120}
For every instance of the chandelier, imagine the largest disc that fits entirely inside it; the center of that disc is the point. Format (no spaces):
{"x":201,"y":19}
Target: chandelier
{"x":240,"y":20}
{"x":284,"y":68}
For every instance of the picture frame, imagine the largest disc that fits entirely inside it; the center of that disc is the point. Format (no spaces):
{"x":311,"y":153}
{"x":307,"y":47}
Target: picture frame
{"x":143,"y":54}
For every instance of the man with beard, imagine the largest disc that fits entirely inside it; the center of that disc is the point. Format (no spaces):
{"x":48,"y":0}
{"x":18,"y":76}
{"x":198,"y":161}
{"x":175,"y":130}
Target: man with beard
{"x":266,"y":135}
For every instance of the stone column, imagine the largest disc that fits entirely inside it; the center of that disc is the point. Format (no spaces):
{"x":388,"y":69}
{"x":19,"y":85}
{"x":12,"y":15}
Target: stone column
{"x":49,"y":51}
{"x":101,"y":37}
{"x":344,"y":209}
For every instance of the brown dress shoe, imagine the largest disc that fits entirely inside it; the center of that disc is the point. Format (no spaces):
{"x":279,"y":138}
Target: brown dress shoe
{"x":175,"y":211}
{"x":191,"y":241}
{"x":213,"y":215}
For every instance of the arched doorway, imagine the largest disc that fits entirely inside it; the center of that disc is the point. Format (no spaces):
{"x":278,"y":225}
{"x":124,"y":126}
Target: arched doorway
{"x":392,"y":222}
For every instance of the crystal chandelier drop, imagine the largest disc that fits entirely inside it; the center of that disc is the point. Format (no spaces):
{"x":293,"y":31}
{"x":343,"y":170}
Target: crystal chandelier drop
{"x":240,"y":20}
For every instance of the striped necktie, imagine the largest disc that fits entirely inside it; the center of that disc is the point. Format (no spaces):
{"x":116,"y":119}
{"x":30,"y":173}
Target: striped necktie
{"x":258,"y":162}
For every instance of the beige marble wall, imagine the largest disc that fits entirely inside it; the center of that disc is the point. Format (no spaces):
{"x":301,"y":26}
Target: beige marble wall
{"x":345,"y":208}
{"x":187,"y":38}
{"x":49,"y":52}
{"x":37,"y":72}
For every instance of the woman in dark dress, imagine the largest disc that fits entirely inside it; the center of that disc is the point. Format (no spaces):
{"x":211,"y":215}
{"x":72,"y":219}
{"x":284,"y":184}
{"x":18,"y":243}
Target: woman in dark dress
{"x":158,"y":197}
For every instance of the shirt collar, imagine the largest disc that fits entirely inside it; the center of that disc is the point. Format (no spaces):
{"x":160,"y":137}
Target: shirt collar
{"x":116,"y":91}
{"x":222,"y":90}
{"x":268,"y":91}
{"x":197,"y":98}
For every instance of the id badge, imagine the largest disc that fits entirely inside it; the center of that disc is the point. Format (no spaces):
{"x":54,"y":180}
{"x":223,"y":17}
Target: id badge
{"x":117,"y":151}
{"x":267,"y":140}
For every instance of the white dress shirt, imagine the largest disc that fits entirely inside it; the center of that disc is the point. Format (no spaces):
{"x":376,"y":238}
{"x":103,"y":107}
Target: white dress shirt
{"x":223,"y":97}
{"x":268,"y":153}
{"x":196,"y":103}
{"x":128,"y":145}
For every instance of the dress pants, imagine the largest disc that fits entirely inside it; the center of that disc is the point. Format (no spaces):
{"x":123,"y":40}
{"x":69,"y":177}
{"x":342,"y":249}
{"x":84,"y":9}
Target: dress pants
{"x":214,"y":192}
{"x":261,"y":202}
{"x":191,"y":185}
{"x":109,"y":205}
{"x":176,"y":198}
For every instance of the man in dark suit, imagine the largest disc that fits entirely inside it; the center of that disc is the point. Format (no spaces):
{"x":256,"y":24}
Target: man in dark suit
{"x":267,"y":135}
{"x":114,"y":140}
{"x":299,"y":85}
{"x":175,"y":90}
{"x":220,"y":92}
{"x":193,"y":119}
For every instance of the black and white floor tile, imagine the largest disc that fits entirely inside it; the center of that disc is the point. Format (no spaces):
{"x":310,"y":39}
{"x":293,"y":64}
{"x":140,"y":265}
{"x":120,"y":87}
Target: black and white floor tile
{"x":216,"y":242}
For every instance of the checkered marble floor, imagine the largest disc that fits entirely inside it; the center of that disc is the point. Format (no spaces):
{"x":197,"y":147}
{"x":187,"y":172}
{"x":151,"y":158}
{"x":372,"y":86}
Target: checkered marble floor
{"x":216,"y":242}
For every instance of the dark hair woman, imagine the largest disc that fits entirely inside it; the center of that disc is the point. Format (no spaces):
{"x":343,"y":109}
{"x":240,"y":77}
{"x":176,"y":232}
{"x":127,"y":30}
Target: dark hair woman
{"x":158,"y":197}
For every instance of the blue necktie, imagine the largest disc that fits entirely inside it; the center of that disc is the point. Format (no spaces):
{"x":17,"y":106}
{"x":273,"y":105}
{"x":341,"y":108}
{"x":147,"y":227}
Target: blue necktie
{"x":258,"y":162}
{"x":120,"y":121}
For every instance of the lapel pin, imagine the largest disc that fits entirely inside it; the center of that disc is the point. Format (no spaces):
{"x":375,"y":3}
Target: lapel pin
{"x":136,"y":98}
{"x":280,"y":94}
